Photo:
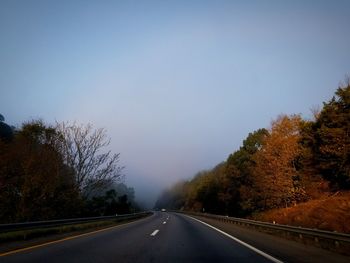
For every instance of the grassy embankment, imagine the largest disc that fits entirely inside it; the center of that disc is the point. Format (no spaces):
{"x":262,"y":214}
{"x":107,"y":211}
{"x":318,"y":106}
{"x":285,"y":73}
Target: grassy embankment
{"x":329,"y":212}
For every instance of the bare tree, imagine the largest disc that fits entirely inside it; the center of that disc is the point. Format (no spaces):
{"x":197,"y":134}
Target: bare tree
{"x":315,"y":111}
{"x":84,"y":152}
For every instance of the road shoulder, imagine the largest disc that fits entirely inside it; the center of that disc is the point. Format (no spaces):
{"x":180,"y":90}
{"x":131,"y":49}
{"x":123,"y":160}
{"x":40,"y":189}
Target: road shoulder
{"x":286,"y":250}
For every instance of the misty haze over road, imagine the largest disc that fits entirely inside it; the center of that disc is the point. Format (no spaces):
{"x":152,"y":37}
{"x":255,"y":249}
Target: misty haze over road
{"x":177,"y":85}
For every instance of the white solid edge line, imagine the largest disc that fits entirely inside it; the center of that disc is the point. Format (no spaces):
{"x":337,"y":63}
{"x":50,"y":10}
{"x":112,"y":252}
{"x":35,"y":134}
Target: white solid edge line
{"x":154,"y":233}
{"x":240,"y":242}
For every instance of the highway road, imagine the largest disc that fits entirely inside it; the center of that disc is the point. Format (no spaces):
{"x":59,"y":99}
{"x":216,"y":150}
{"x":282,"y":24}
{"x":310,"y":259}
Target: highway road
{"x":162,"y":237}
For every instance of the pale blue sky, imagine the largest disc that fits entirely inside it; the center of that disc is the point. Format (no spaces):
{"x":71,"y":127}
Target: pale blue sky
{"x":177,"y":84}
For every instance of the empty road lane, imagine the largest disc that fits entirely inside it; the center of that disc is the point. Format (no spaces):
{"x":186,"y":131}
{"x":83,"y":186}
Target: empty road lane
{"x":162,"y":237}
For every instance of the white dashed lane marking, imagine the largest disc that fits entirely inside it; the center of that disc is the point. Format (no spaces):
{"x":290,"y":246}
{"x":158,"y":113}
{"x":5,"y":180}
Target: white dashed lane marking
{"x":155,"y":232}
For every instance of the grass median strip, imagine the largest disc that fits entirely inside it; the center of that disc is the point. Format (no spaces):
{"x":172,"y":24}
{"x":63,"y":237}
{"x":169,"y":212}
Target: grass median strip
{"x":39,"y":232}
{"x":31,"y":238}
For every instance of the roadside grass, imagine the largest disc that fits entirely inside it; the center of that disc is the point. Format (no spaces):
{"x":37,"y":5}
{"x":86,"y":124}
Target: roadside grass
{"x":39,"y":232}
{"x":330,"y":213}
{"x":55,"y":230}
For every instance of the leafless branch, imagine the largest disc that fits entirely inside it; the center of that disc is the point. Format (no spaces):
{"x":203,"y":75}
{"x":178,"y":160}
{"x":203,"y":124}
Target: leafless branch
{"x":83,"y":150}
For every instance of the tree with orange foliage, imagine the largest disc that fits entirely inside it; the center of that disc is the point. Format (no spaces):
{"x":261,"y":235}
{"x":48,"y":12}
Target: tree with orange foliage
{"x":276,"y":176}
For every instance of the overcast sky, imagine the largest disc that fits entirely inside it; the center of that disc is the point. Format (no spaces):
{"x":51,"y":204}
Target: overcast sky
{"x":177,"y":84}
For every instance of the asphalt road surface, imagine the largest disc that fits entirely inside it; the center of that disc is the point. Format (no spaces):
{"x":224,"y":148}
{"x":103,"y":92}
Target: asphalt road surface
{"x":162,"y":237}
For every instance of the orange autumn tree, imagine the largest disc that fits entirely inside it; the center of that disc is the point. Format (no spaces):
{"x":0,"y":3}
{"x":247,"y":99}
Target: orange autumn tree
{"x":276,"y":176}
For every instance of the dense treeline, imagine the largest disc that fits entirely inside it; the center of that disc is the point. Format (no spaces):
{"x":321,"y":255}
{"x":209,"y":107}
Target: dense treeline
{"x":292,"y":161}
{"x":62,"y":171}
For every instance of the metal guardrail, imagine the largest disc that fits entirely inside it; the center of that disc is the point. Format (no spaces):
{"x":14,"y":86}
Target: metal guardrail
{"x":60,"y":222}
{"x":339,"y":242}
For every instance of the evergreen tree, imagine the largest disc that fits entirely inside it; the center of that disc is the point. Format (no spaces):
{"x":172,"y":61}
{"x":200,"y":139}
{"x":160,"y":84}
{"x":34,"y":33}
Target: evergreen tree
{"x":331,"y":136}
